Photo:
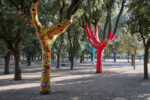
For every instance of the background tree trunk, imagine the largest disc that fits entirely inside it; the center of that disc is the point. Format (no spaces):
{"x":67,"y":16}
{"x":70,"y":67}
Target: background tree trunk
{"x":17,"y":65}
{"x":128,"y":57}
{"x":28,"y":60}
{"x":72,"y":61}
{"x":99,"y":61}
{"x":133,"y":61}
{"x":58,"y":60}
{"x":114,"y":53}
{"x":7,"y":59}
{"x":81,"y":59}
{"x":146,"y":62}
{"x":91,"y":57}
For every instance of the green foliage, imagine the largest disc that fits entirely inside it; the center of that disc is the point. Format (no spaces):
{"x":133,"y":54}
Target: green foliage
{"x":31,"y":45}
{"x":76,"y":35}
{"x":3,"y":48}
{"x":139,"y":21}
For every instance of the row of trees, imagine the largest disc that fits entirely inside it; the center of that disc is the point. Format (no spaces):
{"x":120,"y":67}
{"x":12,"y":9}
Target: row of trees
{"x":18,"y":39}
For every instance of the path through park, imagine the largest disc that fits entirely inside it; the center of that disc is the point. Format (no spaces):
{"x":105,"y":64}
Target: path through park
{"x":117,"y":82}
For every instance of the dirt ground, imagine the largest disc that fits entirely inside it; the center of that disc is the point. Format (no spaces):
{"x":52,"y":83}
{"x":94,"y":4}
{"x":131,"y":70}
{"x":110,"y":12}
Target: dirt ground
{"x":118,"y":81}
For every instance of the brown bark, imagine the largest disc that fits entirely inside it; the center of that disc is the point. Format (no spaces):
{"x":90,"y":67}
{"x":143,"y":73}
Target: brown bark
{"x":119,"y":15}
{"x":83,"y":56}
{"x":28,"y":60}
{"x":58,"y":60}
{"x":128,"y":57}
{"x":133,"y":58}
{"x":147,"y":45}
{"x":105,"y":26}
{"x":146,"y":63}
{"x":73,"y":8}
{"x":72,"y":61}
{"x":59,"y":48}
{"x":133,"y":61}
{"x":16,"y":52}
{"x":17,"y":65}
{"x":7,"y":59}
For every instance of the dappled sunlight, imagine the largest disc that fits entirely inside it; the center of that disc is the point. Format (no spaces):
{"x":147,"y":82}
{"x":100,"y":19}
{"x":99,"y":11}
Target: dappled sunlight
{"x":72,"y":83}
{"x":32,"y":75}
{"x":32,"y":69}
{"x":68,"y":77}
{"x":82,"y":82}
{"x":24,"y":76}
{"x":10,"y":76}
{"x":87,"y":64}
{"x":76,"y":98}
{"x":119,"y":99}
{"x":19,"y":86}
{"x":144,"y":96}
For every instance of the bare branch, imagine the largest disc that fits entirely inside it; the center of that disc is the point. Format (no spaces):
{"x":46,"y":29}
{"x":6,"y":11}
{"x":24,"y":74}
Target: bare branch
{"x":119,"y":15}
{"x":73,"y":8}
{"x":104,"y":31}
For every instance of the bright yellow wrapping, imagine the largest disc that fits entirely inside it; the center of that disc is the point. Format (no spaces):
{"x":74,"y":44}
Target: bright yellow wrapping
{"x":46,"y":38}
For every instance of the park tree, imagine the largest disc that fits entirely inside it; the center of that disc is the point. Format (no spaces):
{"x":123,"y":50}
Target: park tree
{"x":139,"y":25}
{"x":92,"y":50}
{"x":59,"y":44}
{"x":11,"y":34}
{"x":75,"y":43}
{"x":47,"y":36}
{"x":6,"y":53}
{"x":93,"y":37}
{"x":92,"y":11}
{"x":130,"y":45}
{"x":30,"y":47}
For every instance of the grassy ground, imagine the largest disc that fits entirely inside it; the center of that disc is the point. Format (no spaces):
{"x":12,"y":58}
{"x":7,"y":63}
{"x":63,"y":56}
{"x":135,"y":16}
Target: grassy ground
{"x":117,"y":82}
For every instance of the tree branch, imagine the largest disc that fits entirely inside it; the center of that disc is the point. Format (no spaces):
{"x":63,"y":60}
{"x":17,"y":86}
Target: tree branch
{"x":69,"y":38}
{"x":14,"y":4}
{"x":104,"y":31}
{"x":73,"y":8}
{"x":110,"y":26}
{"x":119,"y":15}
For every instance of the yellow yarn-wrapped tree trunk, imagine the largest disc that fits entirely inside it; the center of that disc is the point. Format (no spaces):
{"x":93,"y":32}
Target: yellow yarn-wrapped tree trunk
{"x":47,"y":38}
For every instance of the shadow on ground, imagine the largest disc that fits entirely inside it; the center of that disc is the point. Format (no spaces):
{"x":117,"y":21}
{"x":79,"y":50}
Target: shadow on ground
{"x":79,"y":84}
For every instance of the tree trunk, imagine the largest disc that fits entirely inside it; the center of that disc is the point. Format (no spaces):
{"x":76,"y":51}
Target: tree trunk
{"x":146,"y":62}
{"x":52,"y":57}
{"x":7,"y":59}
{"x":45,"y":77}
{"x":32,"y":58}
{"x":28,"y":60}
{"x":83,"y":56}
{"x":58,"y":60}
{"x":72,"y":61}
{"x":114,"y":53}
{"x":99,"y":60}
{"x":81,"y":59}
{"x":128,"y":57}
{"x":133,"y":61}
{"x":93,"y":57}
{"x":140,"y":58}
{"x":17,"y":65}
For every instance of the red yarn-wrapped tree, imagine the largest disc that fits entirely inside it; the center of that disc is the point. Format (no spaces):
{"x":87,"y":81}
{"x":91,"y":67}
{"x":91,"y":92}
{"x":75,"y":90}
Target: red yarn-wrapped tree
{"x":97,"y":44}
{"x":93,"y":36}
